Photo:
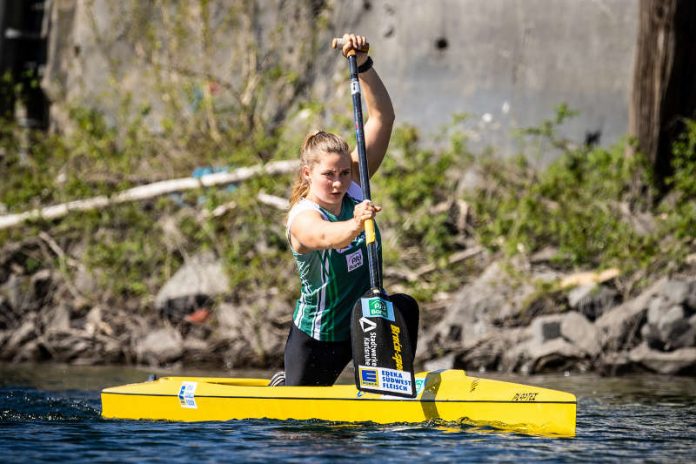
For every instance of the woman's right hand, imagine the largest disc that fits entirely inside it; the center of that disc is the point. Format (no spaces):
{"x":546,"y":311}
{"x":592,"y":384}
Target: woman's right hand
{"x":358,"y":43}
{"x":363,"y":211}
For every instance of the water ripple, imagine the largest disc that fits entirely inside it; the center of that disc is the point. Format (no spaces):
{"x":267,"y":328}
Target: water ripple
{"x":618,"y":421}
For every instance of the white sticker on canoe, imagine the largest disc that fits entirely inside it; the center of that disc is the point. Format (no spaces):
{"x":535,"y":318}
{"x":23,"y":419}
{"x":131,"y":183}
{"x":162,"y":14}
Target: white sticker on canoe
{"x":187,"y":397}
{"x":384,"y":379}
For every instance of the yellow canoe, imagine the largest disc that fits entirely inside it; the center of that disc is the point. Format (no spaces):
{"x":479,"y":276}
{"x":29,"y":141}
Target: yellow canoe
{"x":446,"y":396}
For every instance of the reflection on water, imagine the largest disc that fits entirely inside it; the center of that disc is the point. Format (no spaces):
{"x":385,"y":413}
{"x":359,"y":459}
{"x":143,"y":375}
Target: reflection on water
{"x":50,"y":412}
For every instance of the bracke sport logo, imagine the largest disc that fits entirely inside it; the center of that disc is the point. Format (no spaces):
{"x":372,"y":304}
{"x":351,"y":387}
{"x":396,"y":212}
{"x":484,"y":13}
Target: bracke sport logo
{"x":377,"y":307}
{"x":396,"y":341}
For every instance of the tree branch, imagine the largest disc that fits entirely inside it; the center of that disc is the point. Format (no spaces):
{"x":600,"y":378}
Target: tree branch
{"x":145,"y":192}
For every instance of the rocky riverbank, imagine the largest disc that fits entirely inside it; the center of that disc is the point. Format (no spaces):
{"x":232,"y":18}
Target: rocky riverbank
{"x":586,"y":324}
{"x":510,"y":315}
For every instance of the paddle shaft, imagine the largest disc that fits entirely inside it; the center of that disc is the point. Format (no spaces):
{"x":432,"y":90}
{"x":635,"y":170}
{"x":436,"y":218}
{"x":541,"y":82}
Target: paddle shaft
{"x":370,"y":235}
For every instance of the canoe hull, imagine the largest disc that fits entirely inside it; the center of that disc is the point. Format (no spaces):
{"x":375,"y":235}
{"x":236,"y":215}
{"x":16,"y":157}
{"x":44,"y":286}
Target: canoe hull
{"x":449,"y":396}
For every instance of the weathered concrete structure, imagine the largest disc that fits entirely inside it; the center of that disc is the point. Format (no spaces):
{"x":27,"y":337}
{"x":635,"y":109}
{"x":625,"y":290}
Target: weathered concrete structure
{"x":513,"y":60}
{"x":509,"y":63}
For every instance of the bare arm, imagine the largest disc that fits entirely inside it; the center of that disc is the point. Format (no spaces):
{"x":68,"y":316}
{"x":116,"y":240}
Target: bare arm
{"x":380,"y":120}
{"x":310,"y":231}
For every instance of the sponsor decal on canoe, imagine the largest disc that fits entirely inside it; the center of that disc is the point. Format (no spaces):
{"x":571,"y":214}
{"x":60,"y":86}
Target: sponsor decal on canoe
{"x":187,"y":397}
{"x":384,"y":379}
{"x":377,"y":307}
{"x":474,"y":385}
{"x":420,"y":384}
{"x":527,"y":396}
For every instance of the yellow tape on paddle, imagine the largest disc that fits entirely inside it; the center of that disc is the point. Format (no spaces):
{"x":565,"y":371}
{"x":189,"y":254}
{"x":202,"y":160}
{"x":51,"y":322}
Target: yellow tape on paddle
{"x":370,"y":231}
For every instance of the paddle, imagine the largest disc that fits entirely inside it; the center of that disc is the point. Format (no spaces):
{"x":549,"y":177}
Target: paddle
{"x":382,"y":353}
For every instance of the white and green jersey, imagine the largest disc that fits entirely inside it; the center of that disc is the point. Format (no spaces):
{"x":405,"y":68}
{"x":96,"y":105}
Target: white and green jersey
{"x":332,"y":281}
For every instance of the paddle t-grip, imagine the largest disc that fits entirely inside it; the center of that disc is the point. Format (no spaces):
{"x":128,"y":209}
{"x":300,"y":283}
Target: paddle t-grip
{"x":339,"y":42}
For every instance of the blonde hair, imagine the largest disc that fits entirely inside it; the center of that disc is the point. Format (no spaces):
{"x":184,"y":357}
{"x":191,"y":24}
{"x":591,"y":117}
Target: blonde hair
{"x":314,"y":146}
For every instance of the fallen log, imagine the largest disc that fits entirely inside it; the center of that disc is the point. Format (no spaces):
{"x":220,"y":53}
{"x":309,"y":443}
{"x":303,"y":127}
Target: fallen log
{"x":144,"y":192}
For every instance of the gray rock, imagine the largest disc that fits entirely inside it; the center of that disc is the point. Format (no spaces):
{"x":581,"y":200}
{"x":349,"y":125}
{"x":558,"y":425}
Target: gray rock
{"x":201,"y":275}
{"x":7,"y":317}
{"x":651,"y":336}
{"x":580,"y":294}
{"x":600,"y":300}
{"x":29,"y":352}
{"x":656,"y":306}
{"x":553,"y":355}
{"x":691,"y":299}
{"x":492,"y":296}
{"x":14,"y":292}
{"x":253,"y":333}
{"x":675,"y":362}
{"x":58,"y":318}
{"x":4,"y":336}
{"x":41,"y":282}
{"x":619,"y":328}
{"x":685,"y":339}
{"x":545,"y":328}
{"x":26,"y":332}
{"x":161,"y":346}
{"x":672,"y":325}
{"x":581,"y":332}
{"x":676,"y":292}
{"x":69,"y":345}
{"x":498,"y":350}
{"x":614,"y":363}
{"x":85,"y":281}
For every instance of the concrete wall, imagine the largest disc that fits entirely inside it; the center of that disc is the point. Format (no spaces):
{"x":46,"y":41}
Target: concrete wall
{"x":507,"y":62}
{"x":514,"y":60}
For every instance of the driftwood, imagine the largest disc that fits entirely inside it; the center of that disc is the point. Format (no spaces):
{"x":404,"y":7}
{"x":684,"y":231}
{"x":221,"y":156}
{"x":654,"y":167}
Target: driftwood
{"x":145,"y":192}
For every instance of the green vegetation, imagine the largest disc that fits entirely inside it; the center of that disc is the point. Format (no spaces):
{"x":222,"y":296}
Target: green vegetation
{"x":592,"y":205}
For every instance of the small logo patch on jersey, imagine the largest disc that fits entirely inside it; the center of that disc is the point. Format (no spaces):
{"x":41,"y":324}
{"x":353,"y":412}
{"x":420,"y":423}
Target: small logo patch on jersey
{"x":354,"y":260}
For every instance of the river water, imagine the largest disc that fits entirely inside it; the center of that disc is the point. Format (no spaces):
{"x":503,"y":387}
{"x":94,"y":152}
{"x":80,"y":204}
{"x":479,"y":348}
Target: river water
{"x":52,"y":413}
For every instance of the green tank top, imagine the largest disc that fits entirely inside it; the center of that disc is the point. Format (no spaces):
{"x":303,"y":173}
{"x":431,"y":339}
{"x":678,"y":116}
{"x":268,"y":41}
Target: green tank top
{"x":331,"y":281}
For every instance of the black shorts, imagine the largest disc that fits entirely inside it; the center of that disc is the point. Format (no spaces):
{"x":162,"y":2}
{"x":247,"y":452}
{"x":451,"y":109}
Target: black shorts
{"x":311,"y":362}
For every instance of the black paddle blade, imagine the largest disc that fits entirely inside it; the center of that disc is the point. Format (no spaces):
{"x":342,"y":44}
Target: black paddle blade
{"x":382,"y":353}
